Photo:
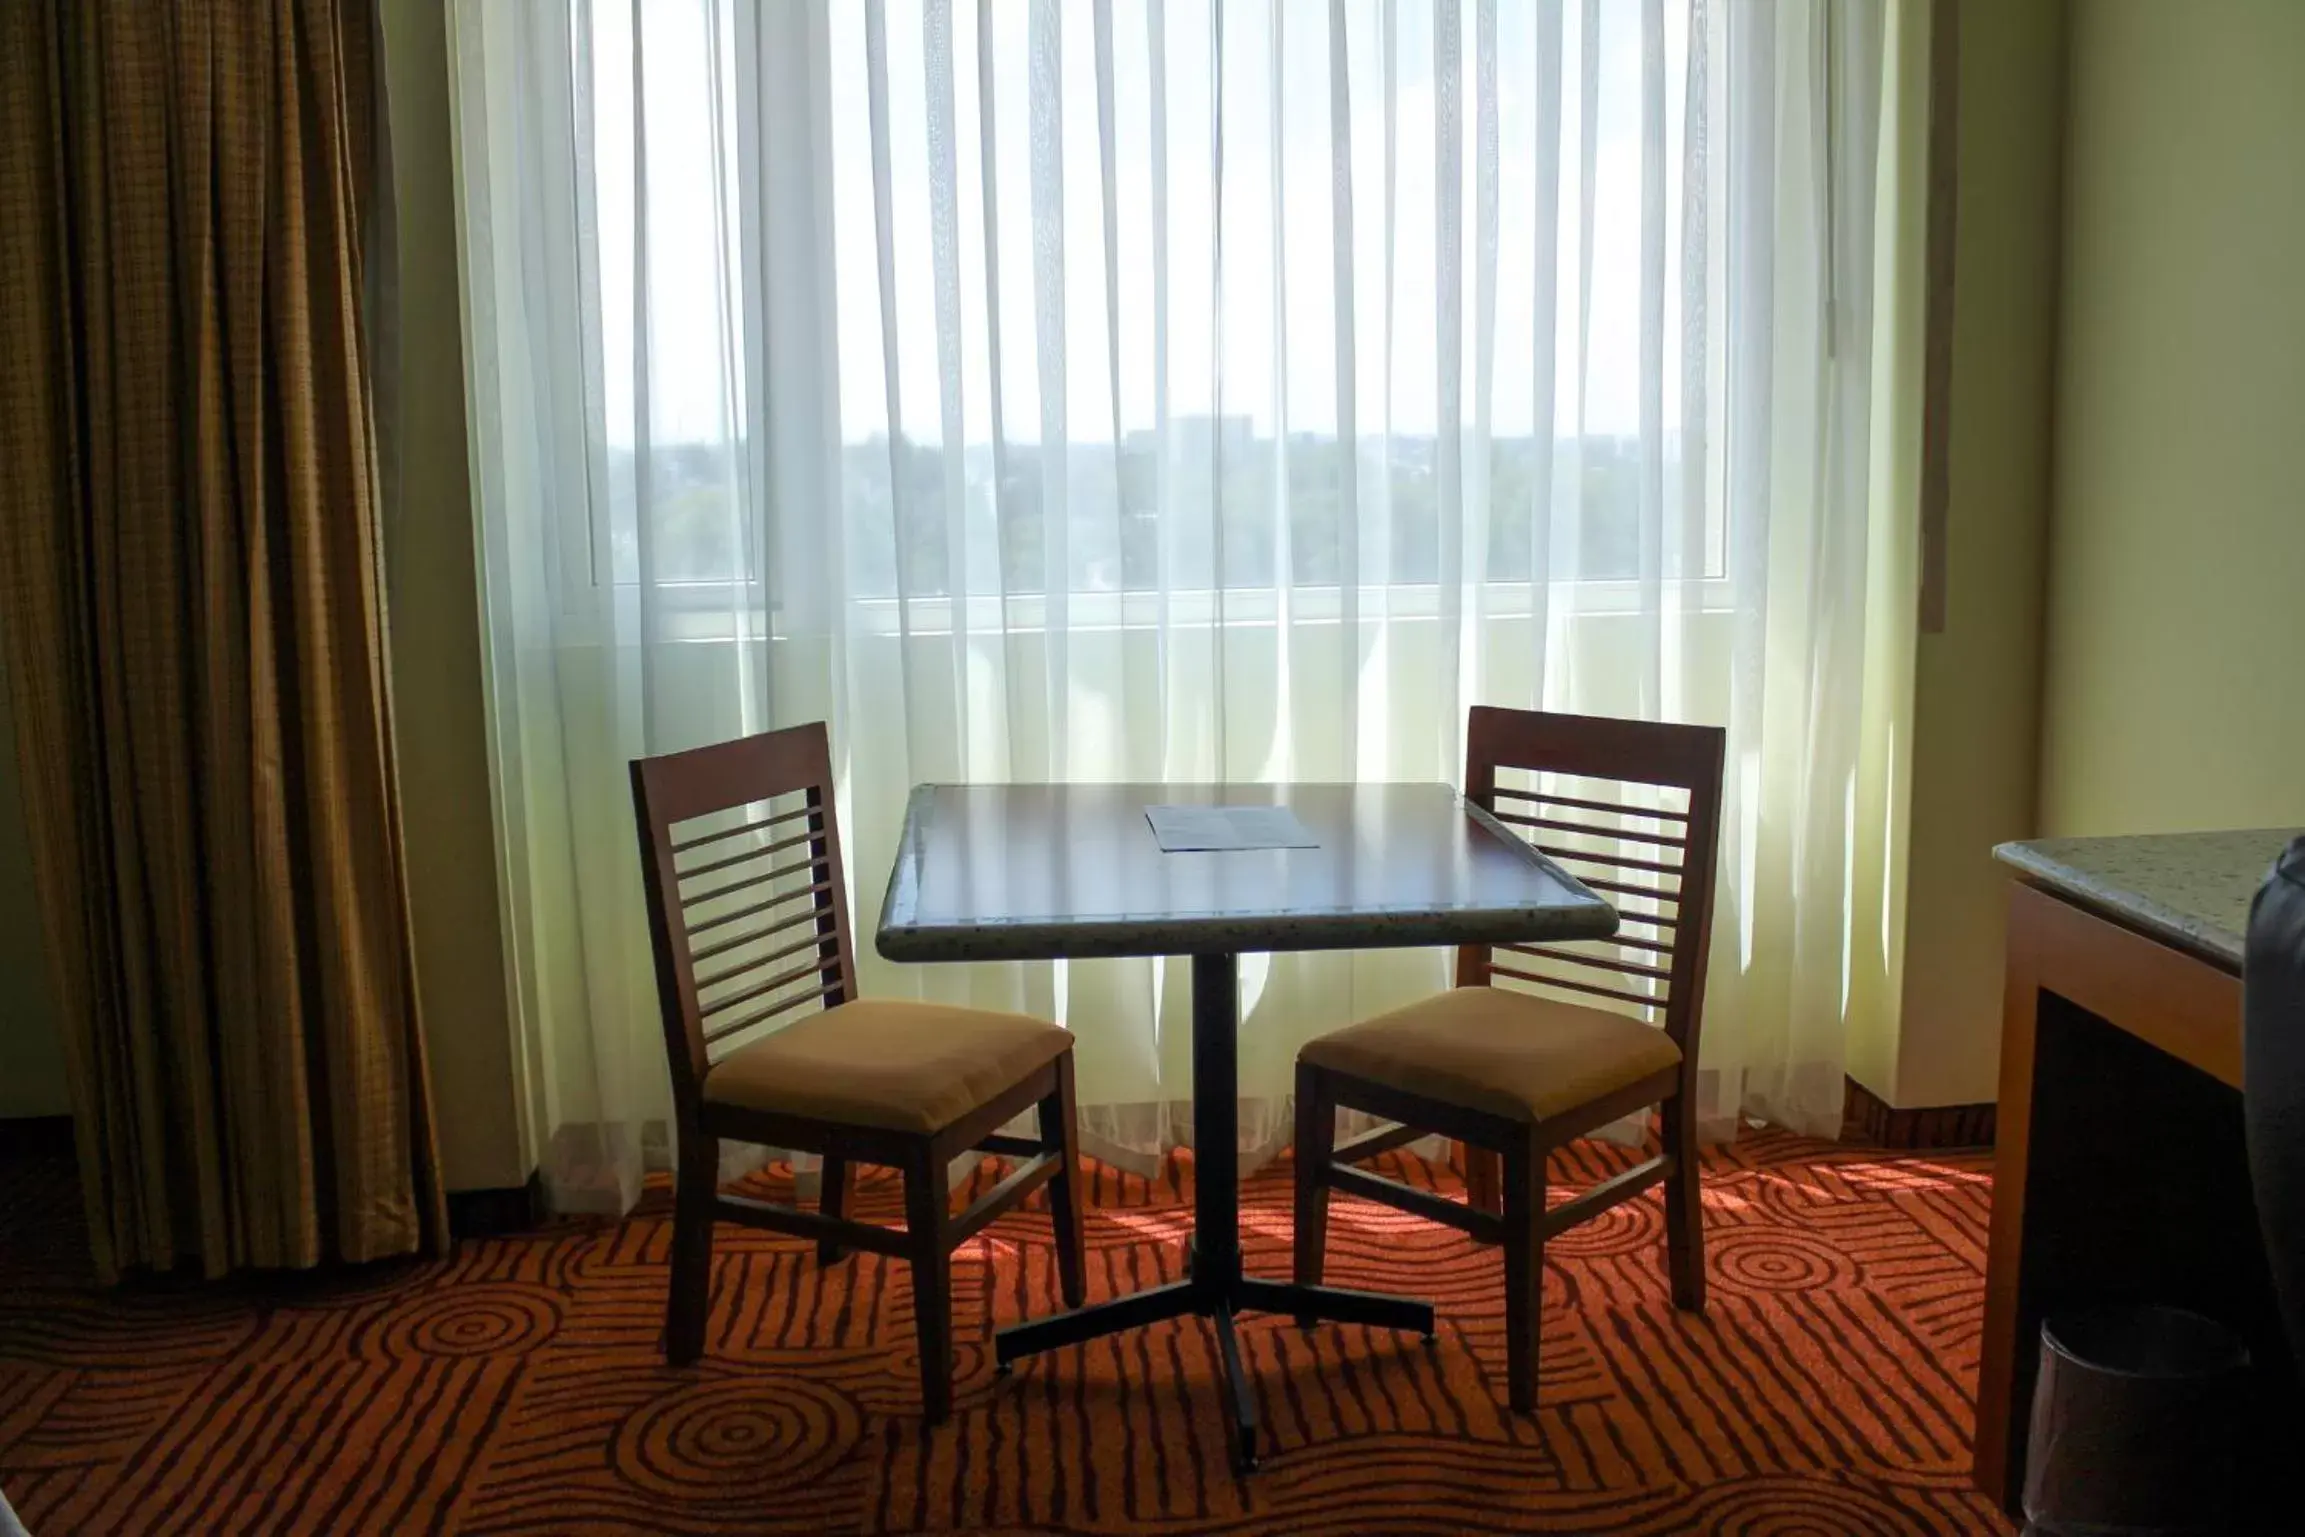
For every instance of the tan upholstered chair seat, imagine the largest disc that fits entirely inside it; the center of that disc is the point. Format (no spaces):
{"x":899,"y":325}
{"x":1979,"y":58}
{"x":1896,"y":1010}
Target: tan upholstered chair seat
{"x":1509,"y":1054}
{"x":915,"y":1067}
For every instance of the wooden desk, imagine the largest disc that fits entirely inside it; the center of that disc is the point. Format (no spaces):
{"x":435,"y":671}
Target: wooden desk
{"x":2121,"y":1174}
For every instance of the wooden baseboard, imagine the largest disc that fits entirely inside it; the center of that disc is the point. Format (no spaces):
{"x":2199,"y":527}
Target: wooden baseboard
{"x":1868,"y":1119}
{"x":495,"y":1212}
{"x":36,"y":1136}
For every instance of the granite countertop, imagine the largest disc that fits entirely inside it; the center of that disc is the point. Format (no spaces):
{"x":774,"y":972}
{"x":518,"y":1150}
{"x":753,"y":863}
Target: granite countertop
{"x":2191,"y":889}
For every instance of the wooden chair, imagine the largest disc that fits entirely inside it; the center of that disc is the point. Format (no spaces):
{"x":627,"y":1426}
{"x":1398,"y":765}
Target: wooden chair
{"x":1514,"y":1074}
{"x":740,"y":853}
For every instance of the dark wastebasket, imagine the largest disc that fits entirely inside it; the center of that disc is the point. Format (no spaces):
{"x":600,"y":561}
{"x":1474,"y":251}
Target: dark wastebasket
{"x":2273,"y":1043}
{"x":2136,"y":1425}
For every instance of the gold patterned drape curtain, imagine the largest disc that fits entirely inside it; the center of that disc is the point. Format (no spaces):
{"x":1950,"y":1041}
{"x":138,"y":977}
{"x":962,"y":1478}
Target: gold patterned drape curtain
{"x":194,"y":626}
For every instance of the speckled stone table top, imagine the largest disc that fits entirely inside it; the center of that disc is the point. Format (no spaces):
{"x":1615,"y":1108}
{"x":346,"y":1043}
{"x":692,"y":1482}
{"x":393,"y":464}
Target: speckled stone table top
{"x":2191,"y":889}
{"x":1033,"y":872}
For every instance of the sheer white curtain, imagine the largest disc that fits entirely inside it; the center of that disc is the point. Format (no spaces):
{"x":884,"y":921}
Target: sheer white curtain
{"x":1212,"y":389}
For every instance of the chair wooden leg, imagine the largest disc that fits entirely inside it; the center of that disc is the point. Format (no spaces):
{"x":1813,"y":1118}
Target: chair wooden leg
{"x":1684,"y":1204}
{"x":1524,"y":1245}
{"x":689,"y":1297}
{"x":1060,"y":1133}
{"x":926,"y":1203}
{"x":1484,"y":1184}
{"x":1316,"y":1143}
{"x":832,"y":1201}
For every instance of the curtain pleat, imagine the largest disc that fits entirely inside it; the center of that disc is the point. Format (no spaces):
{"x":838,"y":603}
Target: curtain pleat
{"x":1175,"y":392}
{"x":1448,"y":328}
{"x":1544,"y":166}
{"x":195,"y":628}
{"x":1654,"y":237}
{"x":1345,"y":324}
{"x":1480,"y":455}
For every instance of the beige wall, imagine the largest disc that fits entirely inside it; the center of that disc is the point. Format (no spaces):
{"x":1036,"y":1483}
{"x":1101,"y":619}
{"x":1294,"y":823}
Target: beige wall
{"x":31,"y":1061}
{"x":2177,"y":585}
{"x":2129,"y":356}
{"x":1976,"y":696}
{"x":436,"y":667}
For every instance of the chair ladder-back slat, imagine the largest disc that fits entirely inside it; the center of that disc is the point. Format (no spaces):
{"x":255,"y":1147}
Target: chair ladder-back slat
{"x":810,"y":867}
{"x":1591,"y":830}
{"x":1597,"y":962}
{"x":1610,"y":861}
{"x":1613,"y":808}
{"x":751,"y":963}
{"x":699,"y":840}
{"x":763,"y":851}
{"x":726,"y":1030}
{"x":722,"y":920}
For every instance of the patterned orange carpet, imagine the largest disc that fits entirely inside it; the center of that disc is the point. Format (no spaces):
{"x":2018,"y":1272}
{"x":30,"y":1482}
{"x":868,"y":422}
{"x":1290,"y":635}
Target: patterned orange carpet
{"x":517,"y":1387}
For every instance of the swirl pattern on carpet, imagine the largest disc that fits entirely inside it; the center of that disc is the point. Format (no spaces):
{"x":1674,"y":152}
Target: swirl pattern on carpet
{"x":478,"y":1320}
{"x":517,"y":1387}
{"x":741,"y":1438}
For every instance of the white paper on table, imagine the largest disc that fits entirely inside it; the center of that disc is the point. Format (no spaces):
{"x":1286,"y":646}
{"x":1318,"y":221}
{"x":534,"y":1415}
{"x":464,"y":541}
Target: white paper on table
{"x":1190,"y":829}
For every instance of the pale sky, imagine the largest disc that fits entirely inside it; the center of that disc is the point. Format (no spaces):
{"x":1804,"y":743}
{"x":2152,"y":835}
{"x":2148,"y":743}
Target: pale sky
{"x":1229,"y":366}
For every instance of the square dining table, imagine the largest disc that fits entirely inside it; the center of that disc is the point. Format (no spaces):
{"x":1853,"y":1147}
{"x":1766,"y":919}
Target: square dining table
{"x":1070,"y":871}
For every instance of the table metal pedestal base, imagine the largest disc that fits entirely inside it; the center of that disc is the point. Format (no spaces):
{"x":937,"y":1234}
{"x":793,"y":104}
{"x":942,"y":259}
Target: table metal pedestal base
{"x":1218,"y":1302}
{"x":1216,"y":1289}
